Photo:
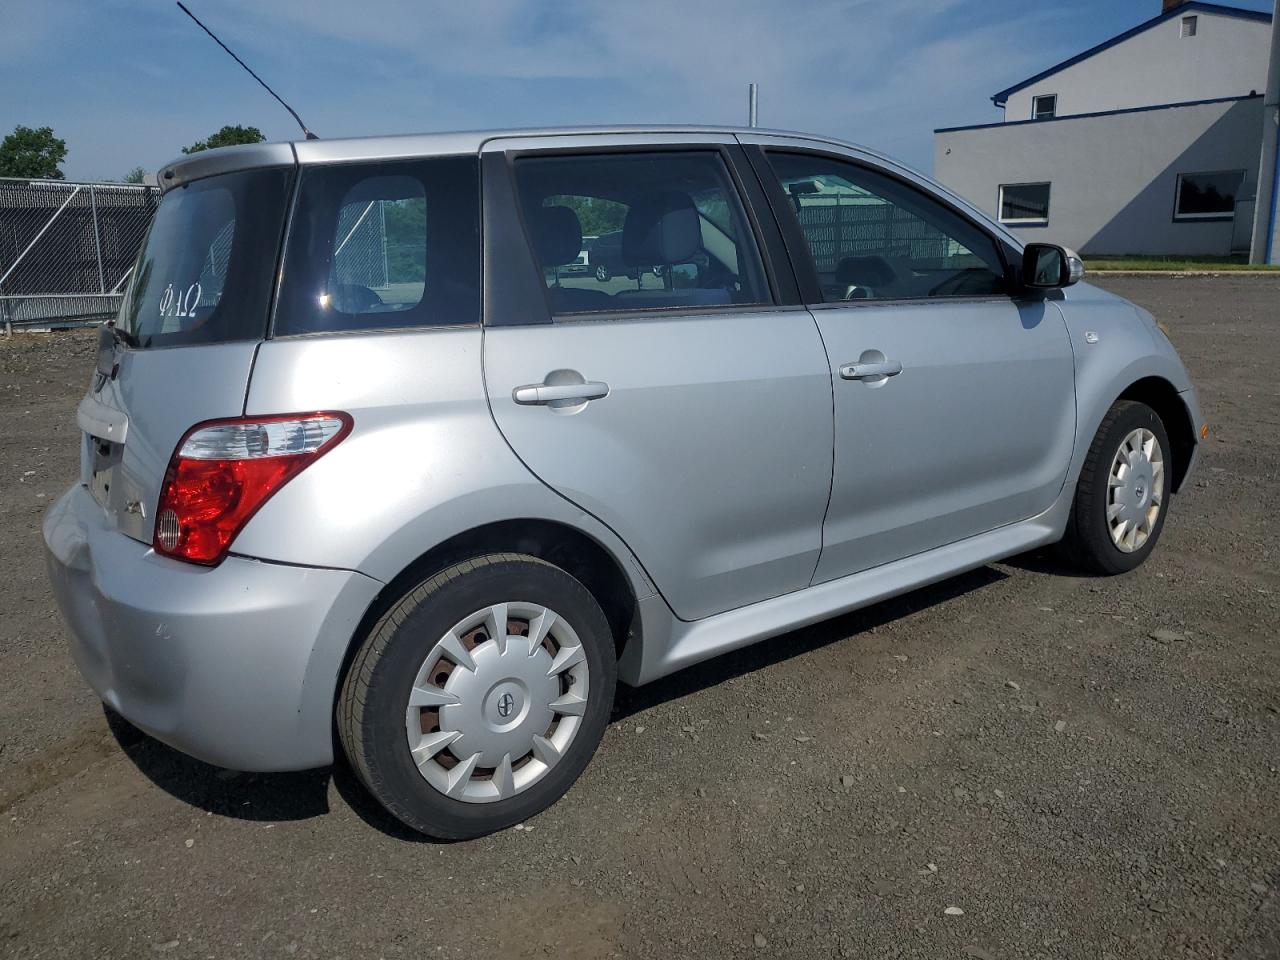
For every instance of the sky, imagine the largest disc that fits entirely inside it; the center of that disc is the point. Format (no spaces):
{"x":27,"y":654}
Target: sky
{"x":130,"y":82}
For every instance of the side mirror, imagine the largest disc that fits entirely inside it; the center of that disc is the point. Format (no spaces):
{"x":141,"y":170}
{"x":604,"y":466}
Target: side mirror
{"x":1049,"y":267}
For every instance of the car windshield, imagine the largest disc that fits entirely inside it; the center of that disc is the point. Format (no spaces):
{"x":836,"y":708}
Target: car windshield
{"x":205,"y":273}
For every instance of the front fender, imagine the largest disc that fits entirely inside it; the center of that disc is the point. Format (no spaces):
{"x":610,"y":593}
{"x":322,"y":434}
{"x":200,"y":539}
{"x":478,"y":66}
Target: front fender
{"x":1116,"y":345}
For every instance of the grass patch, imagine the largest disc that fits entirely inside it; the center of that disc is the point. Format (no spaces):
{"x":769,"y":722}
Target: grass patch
{"x":1173,"y":264}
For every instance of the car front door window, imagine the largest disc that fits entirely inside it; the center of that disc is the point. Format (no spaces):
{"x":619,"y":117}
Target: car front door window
{"x":873,"y":237}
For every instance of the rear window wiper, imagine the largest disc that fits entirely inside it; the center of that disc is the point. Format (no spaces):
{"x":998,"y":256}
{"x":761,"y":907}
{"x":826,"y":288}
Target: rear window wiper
{"x":122,"y":336}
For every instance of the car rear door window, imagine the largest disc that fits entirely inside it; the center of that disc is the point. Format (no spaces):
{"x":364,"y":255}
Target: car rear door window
{"x":639,"y":231}
{"x":874,"y":237}
{"x":385,"y":245}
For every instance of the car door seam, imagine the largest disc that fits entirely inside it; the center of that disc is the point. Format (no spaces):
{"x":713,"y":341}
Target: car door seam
{"x":831,"y":480}
{"x":248,"y":383}
{"x":1075,"y":395}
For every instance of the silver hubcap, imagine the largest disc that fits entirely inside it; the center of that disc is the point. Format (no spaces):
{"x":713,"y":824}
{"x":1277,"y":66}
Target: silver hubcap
{"x":1135,"y":490}
{"x":497,"y":702}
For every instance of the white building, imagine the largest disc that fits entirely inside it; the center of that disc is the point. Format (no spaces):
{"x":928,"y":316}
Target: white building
{"x":1149,"y":143}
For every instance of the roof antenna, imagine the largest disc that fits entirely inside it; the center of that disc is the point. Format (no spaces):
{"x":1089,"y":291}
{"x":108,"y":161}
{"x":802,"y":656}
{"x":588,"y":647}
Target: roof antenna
{"x":293,"y":113}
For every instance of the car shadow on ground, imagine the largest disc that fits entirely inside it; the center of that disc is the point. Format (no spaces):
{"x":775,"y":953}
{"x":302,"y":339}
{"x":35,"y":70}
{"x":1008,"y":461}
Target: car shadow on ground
{"x":265,"y":797}
{"x":281,"y":797}
{"x":1048,"y":561}
{"x":226,"y":793}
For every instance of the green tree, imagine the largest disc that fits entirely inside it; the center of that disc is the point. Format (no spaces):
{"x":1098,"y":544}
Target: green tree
{"x":226,"y":137}
{"x":136,"y":175}
{"x":597,"y":215}
{"x":34,"y":154}
{"x":406,"y":237}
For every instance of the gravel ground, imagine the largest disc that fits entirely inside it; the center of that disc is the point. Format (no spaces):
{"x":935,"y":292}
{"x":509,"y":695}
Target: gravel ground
{"x":1016,"y":763}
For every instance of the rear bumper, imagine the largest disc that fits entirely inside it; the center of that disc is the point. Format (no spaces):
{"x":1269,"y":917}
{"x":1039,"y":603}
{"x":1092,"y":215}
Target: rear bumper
{"x":235,"y":664}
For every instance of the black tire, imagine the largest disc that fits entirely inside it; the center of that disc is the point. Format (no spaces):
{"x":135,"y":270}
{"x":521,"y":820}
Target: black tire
{"x":374,"y":698}
{"x":602,"y":274}
{"x":1087,"y":543}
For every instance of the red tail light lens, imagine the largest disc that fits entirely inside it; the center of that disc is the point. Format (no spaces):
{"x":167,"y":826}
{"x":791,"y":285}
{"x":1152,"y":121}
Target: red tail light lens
{"x":225,"y":470}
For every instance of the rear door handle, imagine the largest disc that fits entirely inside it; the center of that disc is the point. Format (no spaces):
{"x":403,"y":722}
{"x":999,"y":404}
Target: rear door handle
{"x":534,"y":394}
{"x":865,"y":371}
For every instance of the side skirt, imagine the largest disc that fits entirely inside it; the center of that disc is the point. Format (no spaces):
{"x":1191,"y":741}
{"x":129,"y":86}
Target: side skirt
{"x":670,"y":644}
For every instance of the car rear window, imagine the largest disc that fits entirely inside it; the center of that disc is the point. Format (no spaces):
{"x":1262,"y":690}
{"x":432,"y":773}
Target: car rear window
{"x":206,"y":270}
{"x":375,"y":246}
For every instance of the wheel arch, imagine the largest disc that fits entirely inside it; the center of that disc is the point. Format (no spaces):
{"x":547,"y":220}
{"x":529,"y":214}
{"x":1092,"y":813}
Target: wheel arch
{"x":1162,"y":397}
{"x":558,"y":543}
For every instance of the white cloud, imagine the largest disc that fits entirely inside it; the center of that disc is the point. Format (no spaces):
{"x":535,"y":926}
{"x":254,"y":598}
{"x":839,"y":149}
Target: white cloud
{"x":864,"y":69}
{"x":880,"y":72}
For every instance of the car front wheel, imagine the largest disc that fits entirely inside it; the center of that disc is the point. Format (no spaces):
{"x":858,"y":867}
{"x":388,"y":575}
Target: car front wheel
{"x":1122,"y":496}
{"x":481,"y":695}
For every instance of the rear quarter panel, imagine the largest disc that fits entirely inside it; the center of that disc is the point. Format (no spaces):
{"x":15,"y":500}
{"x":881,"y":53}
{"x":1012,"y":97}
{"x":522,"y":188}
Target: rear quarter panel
{"x":423,"y":463}
{"x":164,"y":392}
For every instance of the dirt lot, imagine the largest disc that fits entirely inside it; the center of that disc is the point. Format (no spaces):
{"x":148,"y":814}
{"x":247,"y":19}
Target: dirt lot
{"x":1086,"y":768}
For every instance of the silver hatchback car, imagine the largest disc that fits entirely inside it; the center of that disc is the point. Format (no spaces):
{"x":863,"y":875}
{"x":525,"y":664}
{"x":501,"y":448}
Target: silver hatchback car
{"x":366,"y":461}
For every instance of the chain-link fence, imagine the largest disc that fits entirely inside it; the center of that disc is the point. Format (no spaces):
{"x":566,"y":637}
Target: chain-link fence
{"x":66,"y":249}
{"x":379,"y":243}
{"x":839,"y":227}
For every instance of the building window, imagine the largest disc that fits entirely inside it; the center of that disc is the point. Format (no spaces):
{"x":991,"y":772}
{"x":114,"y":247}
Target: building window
{"x":1207,"y":196}
{"x":1026,"y":204}
{"x":1044,"y":107}
{"x":1189,"y":25}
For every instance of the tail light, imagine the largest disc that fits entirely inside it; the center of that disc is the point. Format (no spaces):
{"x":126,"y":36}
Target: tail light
{"x":223,"y":471}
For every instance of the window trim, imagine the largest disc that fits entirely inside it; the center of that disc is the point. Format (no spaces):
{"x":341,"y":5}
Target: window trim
{"x":1024,"y":221}
{"x":802,"y":257}
{"x":1189,"y":27}
{"x":779,"y":291}
{"x":1204,"y":217}
{"x":1035,"y":110}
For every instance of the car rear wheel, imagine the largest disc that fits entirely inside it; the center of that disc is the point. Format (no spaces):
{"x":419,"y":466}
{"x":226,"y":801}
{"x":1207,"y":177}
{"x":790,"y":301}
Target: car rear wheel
{"x":603,"y":274}
{"x":480,"y":696}
{"x":1122,"y":496}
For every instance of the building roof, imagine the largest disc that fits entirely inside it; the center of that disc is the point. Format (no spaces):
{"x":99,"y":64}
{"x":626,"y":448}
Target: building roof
{"x":1003,"y":124}
{"x":1001,"y":98}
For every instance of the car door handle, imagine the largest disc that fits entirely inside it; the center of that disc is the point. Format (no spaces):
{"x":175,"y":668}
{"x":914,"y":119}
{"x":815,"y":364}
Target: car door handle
{"x":543,"y":393}
{"x":865,"y":371}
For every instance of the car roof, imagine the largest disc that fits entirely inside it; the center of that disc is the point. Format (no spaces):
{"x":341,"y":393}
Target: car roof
{"x":209,"y":163}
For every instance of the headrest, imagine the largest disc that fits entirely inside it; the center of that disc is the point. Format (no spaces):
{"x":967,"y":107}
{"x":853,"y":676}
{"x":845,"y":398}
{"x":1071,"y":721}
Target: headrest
{"x":865,"y":272}
{"x":661,"y":227}
{"x":557,"y":235}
